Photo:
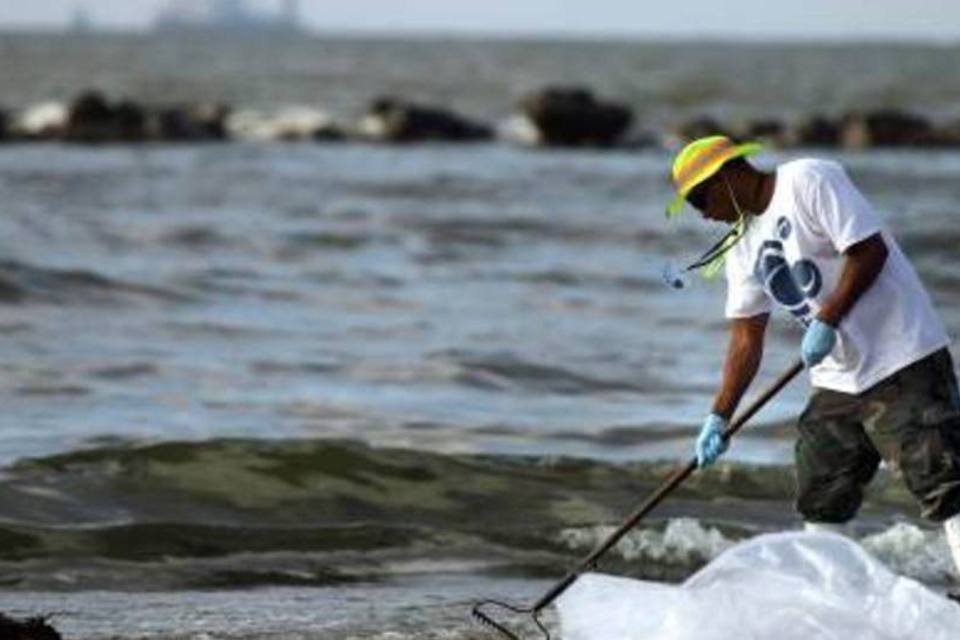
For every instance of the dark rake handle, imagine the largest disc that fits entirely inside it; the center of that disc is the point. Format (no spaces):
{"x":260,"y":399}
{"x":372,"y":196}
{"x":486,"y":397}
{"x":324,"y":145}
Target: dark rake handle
{"x":673,"y":481}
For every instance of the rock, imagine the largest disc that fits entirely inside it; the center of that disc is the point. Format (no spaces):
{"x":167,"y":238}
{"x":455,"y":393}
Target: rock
{"x":768,"y":131}
{"x":817,"y":131}
{"x":91,"y":118}
{"x":573,"y":117}
{"x":886,"y":128}
{"x":393,"y":120}
{"x":211,"y":119}
{"x":31,"y":629}
{"x":519,"y":129}
{"x":949,"y":134}
{"x":290,"y":124}
{"x":198,"y":123}
{"x":43,"y":121}
{"x":130,"y":121}
{"x":330,"y":133}
{"x":174,"y":124}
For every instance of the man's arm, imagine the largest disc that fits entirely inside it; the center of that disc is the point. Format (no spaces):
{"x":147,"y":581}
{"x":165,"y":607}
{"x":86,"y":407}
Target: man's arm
{"x":743,"y":361}
{"x":864,"y":262}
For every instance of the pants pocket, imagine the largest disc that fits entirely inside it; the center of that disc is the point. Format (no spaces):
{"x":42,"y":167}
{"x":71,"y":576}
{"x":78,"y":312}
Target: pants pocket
{"x":930,"y":462}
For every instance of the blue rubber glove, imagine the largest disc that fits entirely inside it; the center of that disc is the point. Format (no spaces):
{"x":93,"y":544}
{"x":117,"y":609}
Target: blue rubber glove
{"x":710,"y":444}
{"x":817,"y":342}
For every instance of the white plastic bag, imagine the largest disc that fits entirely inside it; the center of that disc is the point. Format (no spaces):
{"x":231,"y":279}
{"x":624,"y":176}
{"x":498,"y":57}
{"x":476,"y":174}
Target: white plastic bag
{"x":783,"y":586}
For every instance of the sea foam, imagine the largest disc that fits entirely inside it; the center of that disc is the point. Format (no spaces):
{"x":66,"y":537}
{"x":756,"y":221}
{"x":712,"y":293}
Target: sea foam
{"x":906,"y":549}
{"x":682,"y":541}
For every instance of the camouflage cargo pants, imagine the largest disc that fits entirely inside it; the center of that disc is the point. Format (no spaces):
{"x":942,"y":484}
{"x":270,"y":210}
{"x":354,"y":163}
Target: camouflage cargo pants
{"x":910,"y":419}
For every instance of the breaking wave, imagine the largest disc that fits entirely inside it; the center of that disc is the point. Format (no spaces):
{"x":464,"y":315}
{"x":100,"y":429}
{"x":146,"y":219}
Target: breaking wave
{"x":297,"y":512}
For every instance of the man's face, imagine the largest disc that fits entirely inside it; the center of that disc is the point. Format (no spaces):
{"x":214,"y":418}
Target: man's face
{"x":712,"y":199}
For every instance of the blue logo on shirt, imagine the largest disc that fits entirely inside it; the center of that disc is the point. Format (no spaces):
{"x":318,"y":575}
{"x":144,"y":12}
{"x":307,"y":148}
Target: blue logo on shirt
{"x":791,"y":285}
{"x":784,"y":228}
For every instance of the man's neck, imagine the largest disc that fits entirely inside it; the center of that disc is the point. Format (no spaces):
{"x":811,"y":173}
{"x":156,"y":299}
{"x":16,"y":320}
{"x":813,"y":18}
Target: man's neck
{"x":751,"y":192}
{"x":762,"y":192}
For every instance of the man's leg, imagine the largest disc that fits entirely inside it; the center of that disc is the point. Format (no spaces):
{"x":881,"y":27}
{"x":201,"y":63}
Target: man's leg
{"x":834,"y":459}
{"x":913,"y":418}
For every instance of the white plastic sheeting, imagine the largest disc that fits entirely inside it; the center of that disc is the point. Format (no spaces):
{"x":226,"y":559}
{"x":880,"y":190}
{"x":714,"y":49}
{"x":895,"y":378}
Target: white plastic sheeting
{"x":785,"y":586}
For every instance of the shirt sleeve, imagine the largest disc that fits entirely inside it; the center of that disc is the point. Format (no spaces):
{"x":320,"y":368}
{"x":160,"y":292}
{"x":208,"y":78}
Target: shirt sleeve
{"x":745,"y":294}
{"x":838,"y":208}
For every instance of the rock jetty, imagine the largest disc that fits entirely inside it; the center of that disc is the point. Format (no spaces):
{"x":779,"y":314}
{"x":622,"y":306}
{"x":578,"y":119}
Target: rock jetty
{"x":555,"y":116}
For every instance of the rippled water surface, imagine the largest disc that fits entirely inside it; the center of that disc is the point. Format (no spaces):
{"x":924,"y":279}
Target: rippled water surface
{"x":450,"y":298}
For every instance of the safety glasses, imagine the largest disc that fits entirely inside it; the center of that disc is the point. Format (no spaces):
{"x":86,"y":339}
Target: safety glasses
{"x":697,"y":197}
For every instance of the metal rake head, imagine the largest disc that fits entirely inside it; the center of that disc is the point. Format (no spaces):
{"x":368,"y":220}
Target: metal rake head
{"x":487,"y":620}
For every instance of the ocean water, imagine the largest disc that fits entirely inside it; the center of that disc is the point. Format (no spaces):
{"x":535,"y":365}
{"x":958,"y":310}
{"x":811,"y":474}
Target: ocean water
{"x":460,"y":299}
{"x":326,"y":391}
{"x":483,"y":77}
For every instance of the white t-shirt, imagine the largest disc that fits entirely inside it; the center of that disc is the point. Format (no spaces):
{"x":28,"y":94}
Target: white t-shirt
{"x":791,"y":254}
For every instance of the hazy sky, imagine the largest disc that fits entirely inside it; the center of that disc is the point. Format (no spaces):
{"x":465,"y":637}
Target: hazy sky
{"x":918,"y":19}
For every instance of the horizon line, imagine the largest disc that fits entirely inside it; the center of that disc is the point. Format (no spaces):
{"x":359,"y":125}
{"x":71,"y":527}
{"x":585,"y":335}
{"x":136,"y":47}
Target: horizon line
{"x":466,"y":33}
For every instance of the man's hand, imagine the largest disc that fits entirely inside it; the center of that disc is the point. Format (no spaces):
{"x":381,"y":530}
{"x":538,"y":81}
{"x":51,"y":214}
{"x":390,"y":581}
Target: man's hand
{"x":818,"y":341}
{"x":710,"y":443}
{"x":864,"y":262}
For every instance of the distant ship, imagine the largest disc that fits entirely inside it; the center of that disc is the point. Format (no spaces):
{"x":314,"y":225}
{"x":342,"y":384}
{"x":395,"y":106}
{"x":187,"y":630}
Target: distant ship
{"x":226,"y":16}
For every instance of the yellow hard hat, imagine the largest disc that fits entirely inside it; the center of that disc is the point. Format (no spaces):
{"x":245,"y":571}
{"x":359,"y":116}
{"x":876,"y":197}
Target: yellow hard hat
{"x":702,"y":158}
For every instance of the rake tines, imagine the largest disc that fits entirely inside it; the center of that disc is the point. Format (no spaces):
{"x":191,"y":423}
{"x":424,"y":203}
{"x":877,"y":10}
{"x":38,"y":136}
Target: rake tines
{"x":488,"y":621}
